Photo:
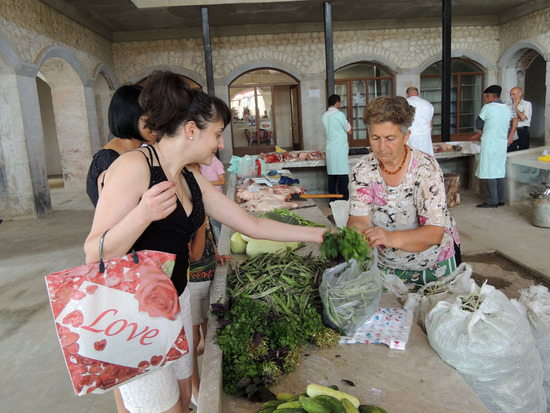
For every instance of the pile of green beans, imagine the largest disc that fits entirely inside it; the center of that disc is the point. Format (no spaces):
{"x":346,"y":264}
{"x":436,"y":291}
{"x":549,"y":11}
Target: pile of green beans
{"x":287,"y":281}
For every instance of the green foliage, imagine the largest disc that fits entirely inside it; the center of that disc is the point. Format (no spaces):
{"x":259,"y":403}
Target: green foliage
{"x":345,"y":244}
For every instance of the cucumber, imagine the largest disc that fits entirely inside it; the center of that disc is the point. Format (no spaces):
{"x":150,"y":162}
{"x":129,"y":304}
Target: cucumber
{"x":267,"y":410}
{"x":370,"y":408}
{"x":291,"y":410}
{"x":285,"y":396}
{"x":317,"y":390}
{"x":289,"y":405}
{"x":273,"y":403}
{"x":312,"y":406}
{"x":333,"y":387}
{"x":349,"y":407}
{"x":332,"y":403}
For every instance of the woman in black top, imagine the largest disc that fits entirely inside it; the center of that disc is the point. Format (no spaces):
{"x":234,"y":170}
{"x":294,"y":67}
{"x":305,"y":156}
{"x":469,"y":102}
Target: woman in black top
{"x":126,"y":124}
{"x":156,"y":203}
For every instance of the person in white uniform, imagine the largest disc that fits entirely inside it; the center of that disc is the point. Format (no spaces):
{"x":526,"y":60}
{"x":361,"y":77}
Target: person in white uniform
{"x":337,"y":128}
{"x":523,"y":110}
{"x":493,"y":124}
{"x":421,"y":129}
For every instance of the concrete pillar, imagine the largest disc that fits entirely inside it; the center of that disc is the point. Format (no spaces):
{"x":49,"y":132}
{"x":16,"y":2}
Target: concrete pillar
{"x":222,"y":91}
{"x":34,"y":140}
{"x":73,"y":132}
{"x":547,"y":107}
{"x":313,"y":105}
{"x":93,"y":119}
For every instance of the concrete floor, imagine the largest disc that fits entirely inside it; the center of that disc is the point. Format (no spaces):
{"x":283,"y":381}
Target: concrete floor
{"x":34,"y":377}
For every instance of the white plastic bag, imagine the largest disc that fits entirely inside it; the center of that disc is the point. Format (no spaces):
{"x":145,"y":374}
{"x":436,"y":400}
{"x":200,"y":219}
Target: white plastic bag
{"x":493,"y":349}
{"x":350,"y":296}
{"x":459,"y":282}
{"x":536,"y":306}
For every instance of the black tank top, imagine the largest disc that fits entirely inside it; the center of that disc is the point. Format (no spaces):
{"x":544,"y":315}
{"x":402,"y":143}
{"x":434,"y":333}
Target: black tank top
{"x":172,"y":234}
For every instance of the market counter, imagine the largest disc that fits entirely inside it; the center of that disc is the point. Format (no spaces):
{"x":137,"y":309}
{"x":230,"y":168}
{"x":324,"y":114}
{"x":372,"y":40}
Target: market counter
{"x":413,"y":380}
{"x":313,"y":174}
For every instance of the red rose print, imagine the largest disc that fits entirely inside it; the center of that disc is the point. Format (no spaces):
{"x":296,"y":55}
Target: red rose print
{"x":156,"y":294}
{"x":100,"y":345}
{"x":74,"y":318}
{"x":156,"y":360}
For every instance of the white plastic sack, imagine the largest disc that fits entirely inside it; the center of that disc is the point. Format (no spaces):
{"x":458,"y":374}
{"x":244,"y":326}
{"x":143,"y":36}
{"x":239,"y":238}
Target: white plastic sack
{"x":493,"y":349}
{"x":459,"y":282}
{"x":536,"y":305}
{"x":350,"y":296}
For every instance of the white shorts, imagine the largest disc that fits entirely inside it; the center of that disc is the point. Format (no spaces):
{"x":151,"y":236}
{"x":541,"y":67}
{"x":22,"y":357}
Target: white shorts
{"x":200,"y":300}
{"x":158,"y":391}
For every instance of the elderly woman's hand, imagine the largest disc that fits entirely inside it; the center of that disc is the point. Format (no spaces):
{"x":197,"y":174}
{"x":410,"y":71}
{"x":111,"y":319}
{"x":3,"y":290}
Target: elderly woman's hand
{"x":378,"y":237}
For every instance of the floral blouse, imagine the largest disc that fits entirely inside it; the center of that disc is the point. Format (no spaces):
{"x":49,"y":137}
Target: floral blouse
{"x":418,"y":200}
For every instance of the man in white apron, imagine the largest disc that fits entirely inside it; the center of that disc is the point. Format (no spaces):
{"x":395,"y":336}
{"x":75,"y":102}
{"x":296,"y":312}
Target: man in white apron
{"x":421,"y":128}
{"x":493,"y":123}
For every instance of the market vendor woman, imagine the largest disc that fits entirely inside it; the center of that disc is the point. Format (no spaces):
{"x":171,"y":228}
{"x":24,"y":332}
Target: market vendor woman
{"x":397,"y":199}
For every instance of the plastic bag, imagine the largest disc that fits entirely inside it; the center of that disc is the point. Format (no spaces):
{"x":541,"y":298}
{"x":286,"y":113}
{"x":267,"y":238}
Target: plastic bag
{"x":492,"y":348}
{"x":234,"y":164}
{"x":536,"y":307}
{"x":350,"y":296}
{"x":118,"y":322}
{"x":459,"y":282}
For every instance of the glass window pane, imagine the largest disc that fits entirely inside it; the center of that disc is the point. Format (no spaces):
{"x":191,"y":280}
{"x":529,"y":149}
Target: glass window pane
{"x":359,"y":96}
{"x":266,"y":126}
{"x":242,"y":125}
{"x":430,"y":89}
{"x":470,"y":102}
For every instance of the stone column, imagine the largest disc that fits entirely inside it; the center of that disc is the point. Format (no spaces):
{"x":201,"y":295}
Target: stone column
{"x":547,"y":107}
{"x":93,"y":120}
{"x":73,"y":132}
{"x":313,"y":104}
{"x":34,"y":140}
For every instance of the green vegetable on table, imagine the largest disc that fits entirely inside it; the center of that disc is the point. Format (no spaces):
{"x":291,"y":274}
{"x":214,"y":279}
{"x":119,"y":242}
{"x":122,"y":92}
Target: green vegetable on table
{"x":273,"y":311}
{"x":289,"y":217}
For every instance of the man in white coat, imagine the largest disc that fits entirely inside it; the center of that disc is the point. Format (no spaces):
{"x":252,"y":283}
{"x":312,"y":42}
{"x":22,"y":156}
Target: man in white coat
{"x":421,"y":129}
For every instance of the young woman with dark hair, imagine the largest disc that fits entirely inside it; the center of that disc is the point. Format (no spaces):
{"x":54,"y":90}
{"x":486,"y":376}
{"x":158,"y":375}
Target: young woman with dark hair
{"x":126,"y":124}
{"x":152,"y":201}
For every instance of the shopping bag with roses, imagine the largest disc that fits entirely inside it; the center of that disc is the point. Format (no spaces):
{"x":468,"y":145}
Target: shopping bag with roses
{"x":117,"y":319}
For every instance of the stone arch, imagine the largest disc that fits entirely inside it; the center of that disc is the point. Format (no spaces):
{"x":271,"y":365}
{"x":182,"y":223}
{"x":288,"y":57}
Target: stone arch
{"x":388,"y":64}
{"x":74,"y":111}
{"x":515,"y":63}
{"x":485,"y":63}
{"x":259,"y":64}
{"x":105,"y":85}
{"x":18,"y":196}
{"x":195,"y":77}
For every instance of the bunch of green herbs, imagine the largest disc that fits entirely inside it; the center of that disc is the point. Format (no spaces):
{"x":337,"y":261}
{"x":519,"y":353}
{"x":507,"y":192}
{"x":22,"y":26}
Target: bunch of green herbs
{"x":343,"y":244}
{"x":273,"y":312}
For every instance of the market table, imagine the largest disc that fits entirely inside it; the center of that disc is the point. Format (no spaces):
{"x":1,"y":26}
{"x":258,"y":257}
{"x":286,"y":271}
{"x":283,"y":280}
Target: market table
{"x":413,"y":380}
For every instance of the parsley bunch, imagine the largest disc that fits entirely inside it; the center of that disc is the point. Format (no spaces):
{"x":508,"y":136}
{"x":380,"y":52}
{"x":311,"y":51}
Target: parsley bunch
{"x":345,"y":244}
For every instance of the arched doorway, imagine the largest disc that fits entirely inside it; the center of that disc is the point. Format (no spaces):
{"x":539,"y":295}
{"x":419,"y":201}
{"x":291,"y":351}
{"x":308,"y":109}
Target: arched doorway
{"x":534,"y":67}
{"x":54,"y":169}
{"x":71,"y":119}
{"x":357,"y":84}
{"x":467,"y":84}
{"x":265,"y":105}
